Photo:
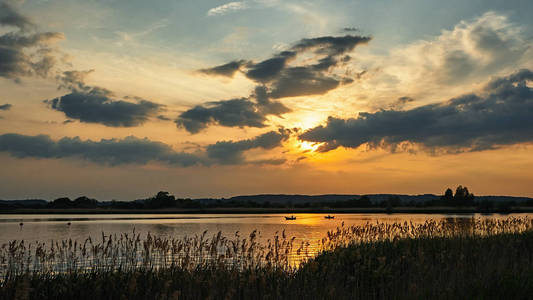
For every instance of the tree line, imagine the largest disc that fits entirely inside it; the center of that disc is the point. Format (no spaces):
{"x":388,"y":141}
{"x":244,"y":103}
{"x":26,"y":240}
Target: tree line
{"x":462,"y":197}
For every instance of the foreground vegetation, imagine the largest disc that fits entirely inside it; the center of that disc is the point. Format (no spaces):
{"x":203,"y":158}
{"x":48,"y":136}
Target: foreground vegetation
{"x":456,"y":258}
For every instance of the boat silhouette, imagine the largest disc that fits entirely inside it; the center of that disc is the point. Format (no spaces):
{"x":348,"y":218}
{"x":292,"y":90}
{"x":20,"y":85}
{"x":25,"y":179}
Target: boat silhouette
{"x":329,"y":217}
{"x":290,"y":218}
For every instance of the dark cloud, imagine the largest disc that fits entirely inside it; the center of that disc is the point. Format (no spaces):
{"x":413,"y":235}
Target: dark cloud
{"x":501,"y":114}
{"x":6,"y":106}
{"x":277,"y":77}
{"x":331,"y":45}
{"x":10,"y":17}
{"x":97,"y":105}
{"x":401,"y":102}
{"x":287,"y":80}
{"x":227,"y":70}
{"x":265,"y":105}
{"x":276,"y":68}
{"x":311,"y":78}
{"x":130,"y":150}
{"x":23,"y":53}
{"x":230,"y":152}
{"x":243,"y":112}
{"x":267,"y":70}
{"x":231,"y":113}
{"x":74,"y":80}
{"x":302,"y":81}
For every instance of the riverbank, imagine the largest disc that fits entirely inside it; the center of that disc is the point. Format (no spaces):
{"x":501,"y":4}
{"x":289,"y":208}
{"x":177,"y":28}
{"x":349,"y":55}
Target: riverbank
{"x":247,"y":210}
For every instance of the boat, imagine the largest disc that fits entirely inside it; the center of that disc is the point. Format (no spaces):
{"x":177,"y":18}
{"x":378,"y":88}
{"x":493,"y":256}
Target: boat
{"x":290,"y":218}
{"x":329,"y":217}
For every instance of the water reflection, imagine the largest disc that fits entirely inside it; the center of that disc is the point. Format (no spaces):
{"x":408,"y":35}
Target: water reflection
{"x":306,"y":226}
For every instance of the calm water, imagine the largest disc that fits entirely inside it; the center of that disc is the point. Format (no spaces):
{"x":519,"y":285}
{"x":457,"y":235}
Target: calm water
{"x":306,"y":227}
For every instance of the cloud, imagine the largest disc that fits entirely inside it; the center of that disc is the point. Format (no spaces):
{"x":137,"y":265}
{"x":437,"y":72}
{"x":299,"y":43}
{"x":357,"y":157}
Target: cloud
{"x":466,"y":54}
{"x":112,"y":152}
{"x":277,"y":77}
{"x":227,"y":70}
{"x":231,"y":113}
{"x":312,"y":77}
{"x":133,"y":150}
{"x":6,"y":106}
{"x":331,"y":45}
{"x":97,"y":105}
{"x":401,"y":102}
{"x":10,"y":17}
{"x":498,"y":115}
{"x":230,"y":152}
{"x":268,"y":69}
{"x":302,"y":81}
{"x":226,"y":8}
{"x":242,"y":112}
{"x":74,"y":80}
{"x":23,"y":53}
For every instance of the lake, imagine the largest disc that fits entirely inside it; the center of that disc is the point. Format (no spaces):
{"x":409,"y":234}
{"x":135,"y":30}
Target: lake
{"x":307,"y":227}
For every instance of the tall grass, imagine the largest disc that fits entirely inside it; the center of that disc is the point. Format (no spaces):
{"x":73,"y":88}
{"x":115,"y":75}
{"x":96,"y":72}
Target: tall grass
{"x":465,"y":258}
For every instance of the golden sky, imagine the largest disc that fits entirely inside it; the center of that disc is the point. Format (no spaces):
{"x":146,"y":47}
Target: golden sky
{"x":118,"y":100}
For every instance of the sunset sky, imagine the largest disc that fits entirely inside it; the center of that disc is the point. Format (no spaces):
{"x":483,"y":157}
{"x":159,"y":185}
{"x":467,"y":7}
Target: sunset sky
{"x":119,"y":99}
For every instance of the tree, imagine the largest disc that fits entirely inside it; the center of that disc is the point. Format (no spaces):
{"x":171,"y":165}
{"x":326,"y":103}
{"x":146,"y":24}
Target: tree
{"x":63,"y":202}
{"x":85,"y":202}
{"x":162,"y":199}
{"x":463,"y":196}
{"x":447,"y":199}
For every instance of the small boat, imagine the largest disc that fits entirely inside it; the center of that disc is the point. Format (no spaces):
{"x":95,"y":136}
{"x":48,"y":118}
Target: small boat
{"x":329,"y":217}
{"x":68,"y":224}
{"x":290,"y":218}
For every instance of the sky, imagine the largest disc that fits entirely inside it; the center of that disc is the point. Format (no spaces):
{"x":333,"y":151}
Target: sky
{"x":119,"y":99}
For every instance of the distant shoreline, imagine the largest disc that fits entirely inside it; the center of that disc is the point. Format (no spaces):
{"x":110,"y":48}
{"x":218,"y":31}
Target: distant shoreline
{"x":238,"y":210}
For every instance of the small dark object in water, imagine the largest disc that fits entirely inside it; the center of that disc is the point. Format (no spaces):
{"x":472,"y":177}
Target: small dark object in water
{"x":329,"y":217}
{"x":21,"y":224}
{"x":290,"y":218}
{"x":68,"y":223}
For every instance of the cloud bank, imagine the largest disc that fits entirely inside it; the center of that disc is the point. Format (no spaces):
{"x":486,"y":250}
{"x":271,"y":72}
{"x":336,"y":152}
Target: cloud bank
{"x":133,"y":150}
{"x":498,"y":115}
{"x":113,"y":152}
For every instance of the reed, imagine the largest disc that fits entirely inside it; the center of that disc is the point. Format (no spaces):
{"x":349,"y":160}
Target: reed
{"x":439,"y":259}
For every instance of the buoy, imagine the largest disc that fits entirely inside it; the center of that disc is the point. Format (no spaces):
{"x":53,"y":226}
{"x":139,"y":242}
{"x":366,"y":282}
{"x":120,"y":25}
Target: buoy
{"x":21,"y":224}
{"x":68,"y":223}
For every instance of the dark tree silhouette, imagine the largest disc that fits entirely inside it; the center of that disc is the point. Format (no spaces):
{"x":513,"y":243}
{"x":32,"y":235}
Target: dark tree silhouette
{"x":162,"y":199}
{"x":447,"y":199}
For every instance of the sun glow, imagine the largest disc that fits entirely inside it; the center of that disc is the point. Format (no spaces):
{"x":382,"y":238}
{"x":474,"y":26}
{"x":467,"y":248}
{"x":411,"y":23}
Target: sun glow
{"x":308,"y":146}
